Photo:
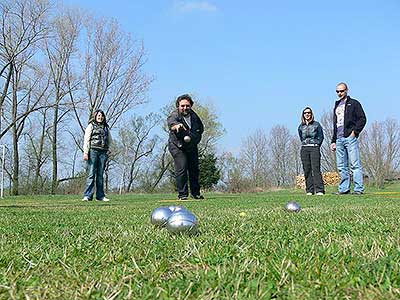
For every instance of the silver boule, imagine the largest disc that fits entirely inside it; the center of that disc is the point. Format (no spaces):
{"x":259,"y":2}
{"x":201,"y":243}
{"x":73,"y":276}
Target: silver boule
{"x":160,"y":215}
{"x":187,"y":139}
{"x":182,"y":222}
{"x":176,"y":208}
{"x":293,"y":206}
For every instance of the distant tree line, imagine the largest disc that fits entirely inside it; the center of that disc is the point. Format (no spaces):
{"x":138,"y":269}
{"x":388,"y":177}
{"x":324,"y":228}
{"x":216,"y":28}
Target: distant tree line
{"x":270,"y":160}
{"x":58,"y":65}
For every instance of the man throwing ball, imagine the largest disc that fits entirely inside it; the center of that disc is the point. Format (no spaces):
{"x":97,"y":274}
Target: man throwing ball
{"x":185,"y":133}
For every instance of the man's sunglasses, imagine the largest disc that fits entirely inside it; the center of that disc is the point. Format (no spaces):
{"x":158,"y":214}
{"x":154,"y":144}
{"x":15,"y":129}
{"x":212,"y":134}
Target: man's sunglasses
{"x":340,"y":91}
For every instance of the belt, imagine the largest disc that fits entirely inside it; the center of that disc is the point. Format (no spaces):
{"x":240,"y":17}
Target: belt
{"x":310,"y":145}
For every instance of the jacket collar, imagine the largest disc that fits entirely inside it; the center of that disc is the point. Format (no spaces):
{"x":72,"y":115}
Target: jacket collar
{"x":348,"y":99}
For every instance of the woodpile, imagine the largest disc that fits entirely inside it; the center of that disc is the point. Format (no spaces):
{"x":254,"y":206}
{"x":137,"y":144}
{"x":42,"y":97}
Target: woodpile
{"x":329,"y":178}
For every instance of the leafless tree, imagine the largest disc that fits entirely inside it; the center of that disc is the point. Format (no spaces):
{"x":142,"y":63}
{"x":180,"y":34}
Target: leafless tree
{"x":136,"y":143}
{"x":113,"y":77}
{"x":328,"y":158}
{"x":29,"y":92}
{"x":38,"y":149}
{"x":295,"y":164}
{"x":380,"y":150}
{"x":254,"y":159}
{"x":59,"y":49}
{"x":23,"y":25}
{"x":159,"y":167}
{"x":232,"y":175}
{"x":279,"y":143}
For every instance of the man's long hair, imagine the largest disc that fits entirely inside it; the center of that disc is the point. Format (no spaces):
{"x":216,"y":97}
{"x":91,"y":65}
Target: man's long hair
{"x":184,"y":97}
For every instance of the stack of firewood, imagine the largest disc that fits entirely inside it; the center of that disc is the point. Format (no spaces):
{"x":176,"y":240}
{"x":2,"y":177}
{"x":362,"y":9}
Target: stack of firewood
{"x":329,"y":178}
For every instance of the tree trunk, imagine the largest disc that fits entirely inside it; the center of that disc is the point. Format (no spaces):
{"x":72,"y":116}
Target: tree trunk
{"x":54,"y":183}
{"x":5,"y":90}
{"x":15,"y":173}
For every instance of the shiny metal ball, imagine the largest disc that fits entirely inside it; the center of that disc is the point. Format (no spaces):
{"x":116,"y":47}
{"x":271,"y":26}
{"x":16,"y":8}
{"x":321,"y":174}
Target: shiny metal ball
{"x":176,"y":208}
{"x":293,"y":206}
{"x":182,"y":222}
{"x":160,"y":215}
{"x":187,"y":139}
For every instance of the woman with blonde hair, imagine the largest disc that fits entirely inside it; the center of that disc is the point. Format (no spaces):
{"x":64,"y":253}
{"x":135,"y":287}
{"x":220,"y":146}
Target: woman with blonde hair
{"x":311,"y":136}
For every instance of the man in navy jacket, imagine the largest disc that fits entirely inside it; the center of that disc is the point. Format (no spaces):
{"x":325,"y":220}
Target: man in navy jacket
{"x":348,"y":121}
{"x":186,"y":129}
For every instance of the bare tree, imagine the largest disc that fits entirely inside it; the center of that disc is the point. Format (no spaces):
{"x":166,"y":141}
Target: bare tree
{"x":136,"y":143}
{"x":232,"y":175}
{"x":328,"y":157}
{"x":254,"y":159}
{"x":37,"y":149}
{"x":380,"y":146}
{"x":113,"y":76}
{"x":279,"y":142}
{"x":159,"y":167}
{"x":295,"y":164}
{"x":59,"y":49}
{"x":23,"y":25}
{"x":28,"y":94}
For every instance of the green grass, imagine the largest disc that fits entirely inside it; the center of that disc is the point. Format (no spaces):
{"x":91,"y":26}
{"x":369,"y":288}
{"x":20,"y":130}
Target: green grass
{"x":337,"y":247}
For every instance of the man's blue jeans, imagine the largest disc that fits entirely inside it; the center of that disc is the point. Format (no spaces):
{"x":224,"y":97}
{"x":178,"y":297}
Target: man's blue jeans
{"x":348,"y":154}
{"x":95,"y":164}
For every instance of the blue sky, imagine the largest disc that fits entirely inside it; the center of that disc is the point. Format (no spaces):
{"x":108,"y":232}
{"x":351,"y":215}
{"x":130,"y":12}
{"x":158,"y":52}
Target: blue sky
{"x":259,"y":63}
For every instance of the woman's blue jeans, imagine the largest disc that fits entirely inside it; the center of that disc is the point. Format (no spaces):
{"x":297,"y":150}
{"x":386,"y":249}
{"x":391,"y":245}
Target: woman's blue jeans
{"x":95,"y":167}
{"x":348,"y":155}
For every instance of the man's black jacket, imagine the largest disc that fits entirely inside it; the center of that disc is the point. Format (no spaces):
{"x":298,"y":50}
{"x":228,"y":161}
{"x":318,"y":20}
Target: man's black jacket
{"x":195,"y":132}
{"x":354,"y":118}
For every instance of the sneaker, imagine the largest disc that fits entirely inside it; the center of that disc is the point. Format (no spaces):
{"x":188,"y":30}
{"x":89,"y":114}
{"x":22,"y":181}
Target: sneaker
{"x":182,"y":198}
{"x":342,"y":193}
{"x":357,"y":193}
{"x":86,"y":198}
{"x":309,"y":194}
{"x":320,"y":194}
{"x":198,"y":197}
{"x":103,"y":199}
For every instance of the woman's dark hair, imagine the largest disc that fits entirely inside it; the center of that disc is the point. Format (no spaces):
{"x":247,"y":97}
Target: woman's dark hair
{"x":184,"y":97}
{"x":97,"y":111}
{"x":303,"y":120}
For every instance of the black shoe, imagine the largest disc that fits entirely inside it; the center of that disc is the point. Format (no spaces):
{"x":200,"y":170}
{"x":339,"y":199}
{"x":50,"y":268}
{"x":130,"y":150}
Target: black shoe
{"x":342,"y":193}
{"x":182,"y":198}
{"x":357,"y":193}
{"x":198,"y":197}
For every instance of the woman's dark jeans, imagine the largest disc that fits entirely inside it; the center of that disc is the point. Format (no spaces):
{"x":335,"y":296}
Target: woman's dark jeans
{"x":95,"y":166}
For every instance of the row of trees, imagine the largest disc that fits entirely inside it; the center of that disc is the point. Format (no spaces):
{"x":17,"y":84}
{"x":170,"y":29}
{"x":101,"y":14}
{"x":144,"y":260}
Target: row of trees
{"x":273,"y":160}
{"x":58,"y":65}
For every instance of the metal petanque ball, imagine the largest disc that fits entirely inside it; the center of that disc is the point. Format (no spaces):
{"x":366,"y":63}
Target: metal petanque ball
{"x":187,"y":139}
{"x":160,"y":215}
{"x":293,"y":206}
{"x":176,"y":208}
{"x":182,"y":222}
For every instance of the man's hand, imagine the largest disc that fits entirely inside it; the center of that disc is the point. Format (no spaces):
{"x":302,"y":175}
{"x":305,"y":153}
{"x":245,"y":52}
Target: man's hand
{"x":85,"y":156}
{"x":177,"y":127}
{"x":333,"y":146}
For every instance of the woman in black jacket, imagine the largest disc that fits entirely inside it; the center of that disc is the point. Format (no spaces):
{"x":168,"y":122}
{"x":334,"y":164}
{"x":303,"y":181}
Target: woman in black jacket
{"x":311,"y":136}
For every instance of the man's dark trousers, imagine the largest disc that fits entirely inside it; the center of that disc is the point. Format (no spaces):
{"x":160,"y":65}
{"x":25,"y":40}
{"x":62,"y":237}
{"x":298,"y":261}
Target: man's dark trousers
{"x":311,"y":159}
{"x":186,"y":161}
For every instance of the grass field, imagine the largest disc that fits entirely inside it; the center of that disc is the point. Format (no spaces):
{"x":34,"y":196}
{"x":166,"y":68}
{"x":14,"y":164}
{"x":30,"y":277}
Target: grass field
{"x":337,"y":247}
